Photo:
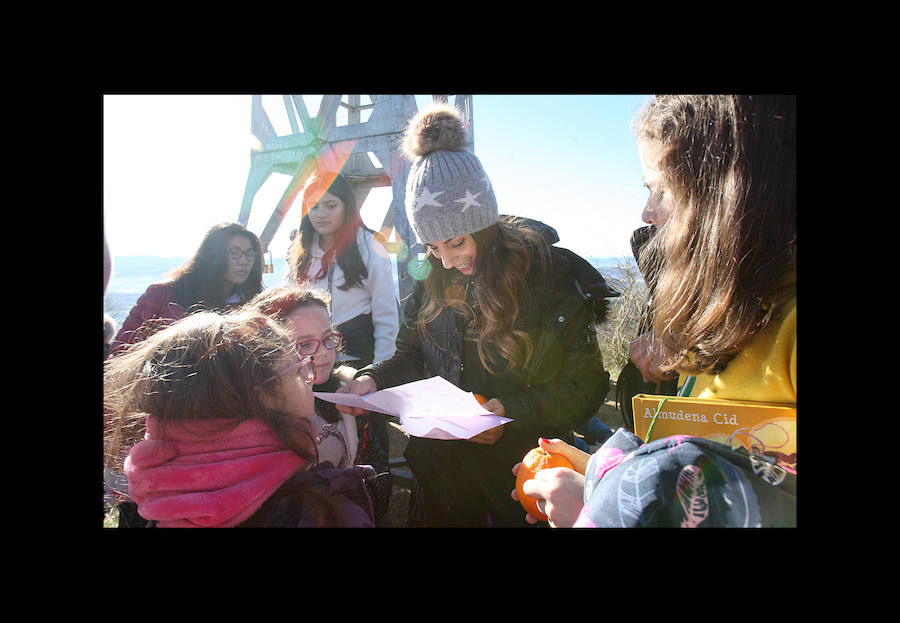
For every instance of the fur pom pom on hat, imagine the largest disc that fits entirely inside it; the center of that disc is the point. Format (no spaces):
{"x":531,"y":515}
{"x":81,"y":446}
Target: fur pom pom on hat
{"x":448,"y":194}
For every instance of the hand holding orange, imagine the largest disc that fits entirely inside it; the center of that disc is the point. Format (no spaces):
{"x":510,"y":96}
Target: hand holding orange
{"x":536,"y":460}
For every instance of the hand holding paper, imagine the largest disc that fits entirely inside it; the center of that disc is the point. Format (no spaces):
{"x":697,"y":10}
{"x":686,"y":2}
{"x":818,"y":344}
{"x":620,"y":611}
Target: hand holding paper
{"x":433,"y":408}
{"x":362,"y":386}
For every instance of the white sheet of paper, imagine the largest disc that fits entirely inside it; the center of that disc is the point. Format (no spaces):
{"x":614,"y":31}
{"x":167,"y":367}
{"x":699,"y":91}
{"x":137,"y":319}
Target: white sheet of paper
{"x":433,"y":408}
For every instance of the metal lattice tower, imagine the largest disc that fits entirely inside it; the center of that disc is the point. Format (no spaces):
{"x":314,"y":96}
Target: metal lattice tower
{"x":311,"y":138}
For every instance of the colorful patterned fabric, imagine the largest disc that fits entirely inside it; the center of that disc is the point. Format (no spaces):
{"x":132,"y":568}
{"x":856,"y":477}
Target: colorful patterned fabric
{"x":686,"y":482}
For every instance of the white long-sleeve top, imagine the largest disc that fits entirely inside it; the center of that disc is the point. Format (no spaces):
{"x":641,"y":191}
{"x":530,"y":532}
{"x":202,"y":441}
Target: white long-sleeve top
{"x":376,"y":296}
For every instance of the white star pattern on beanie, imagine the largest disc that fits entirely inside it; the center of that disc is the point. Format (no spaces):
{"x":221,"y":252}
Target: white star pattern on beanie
{"x":469,"y":200}
{"x":426,"y":197}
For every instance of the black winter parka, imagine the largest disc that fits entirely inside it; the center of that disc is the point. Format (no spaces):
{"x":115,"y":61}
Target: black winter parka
{"x":561,"y":388}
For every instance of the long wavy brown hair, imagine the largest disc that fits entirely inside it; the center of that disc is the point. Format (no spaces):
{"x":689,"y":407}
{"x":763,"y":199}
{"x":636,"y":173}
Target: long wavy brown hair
{"x":729,"y":162}
{"x":509,"y":256}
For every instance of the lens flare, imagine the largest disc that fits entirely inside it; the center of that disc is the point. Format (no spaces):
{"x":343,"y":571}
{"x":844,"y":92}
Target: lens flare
{"x":418,"y":269}
{"x":328,"y":163}
{"x":402,"y":252}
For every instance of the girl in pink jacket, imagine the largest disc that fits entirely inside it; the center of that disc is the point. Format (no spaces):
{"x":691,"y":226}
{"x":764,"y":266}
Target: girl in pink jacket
{"x":225,"y":270}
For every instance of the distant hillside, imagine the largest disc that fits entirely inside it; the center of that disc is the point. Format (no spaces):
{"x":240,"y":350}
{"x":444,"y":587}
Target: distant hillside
{"x":132,"y":274}
{"x":135,"y":272}
{"x":617,"y":271}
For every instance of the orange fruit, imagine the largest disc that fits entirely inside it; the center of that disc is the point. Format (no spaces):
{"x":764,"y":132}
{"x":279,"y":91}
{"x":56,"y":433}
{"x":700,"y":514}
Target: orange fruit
{"x":536,"y":460}
{"x":481,"y":399}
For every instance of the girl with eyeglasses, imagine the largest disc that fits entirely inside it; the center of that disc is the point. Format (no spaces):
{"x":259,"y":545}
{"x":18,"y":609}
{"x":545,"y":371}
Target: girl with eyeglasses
{"x":225,"y":271}
{"x":210,"y":419}
{"x":343,"y":440}
{"x":334,"y":250}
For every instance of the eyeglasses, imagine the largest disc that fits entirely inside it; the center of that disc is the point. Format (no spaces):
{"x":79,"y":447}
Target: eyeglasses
{"x":306,"y":370}
{"x":236,"y":254}
{"x":311,"y":347}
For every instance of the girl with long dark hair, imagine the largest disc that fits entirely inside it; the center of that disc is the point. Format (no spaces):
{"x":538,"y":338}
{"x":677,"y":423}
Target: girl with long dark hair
{"x":225,"y":271}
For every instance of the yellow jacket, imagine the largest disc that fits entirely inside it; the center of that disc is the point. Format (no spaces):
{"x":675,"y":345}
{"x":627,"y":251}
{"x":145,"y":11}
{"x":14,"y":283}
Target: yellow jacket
{"x":766,"y":369}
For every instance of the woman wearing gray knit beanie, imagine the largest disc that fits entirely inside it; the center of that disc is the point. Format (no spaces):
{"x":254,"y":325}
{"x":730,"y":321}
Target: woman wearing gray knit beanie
{"x":501,"y":313}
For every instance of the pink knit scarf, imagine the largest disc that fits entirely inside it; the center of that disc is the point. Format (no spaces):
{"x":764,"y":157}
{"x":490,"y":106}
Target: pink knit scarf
{"x":199,"y":476}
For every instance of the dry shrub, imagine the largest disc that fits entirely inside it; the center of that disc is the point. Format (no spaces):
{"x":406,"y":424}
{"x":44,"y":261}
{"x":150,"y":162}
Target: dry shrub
{"x":624,"y":314}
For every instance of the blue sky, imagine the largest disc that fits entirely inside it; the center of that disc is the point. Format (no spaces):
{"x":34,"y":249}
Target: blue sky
{"x":176,"y":164}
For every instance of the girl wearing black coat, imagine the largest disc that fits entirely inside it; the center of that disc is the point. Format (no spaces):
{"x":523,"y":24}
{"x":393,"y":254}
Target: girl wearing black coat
{"x":501,"y":313}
